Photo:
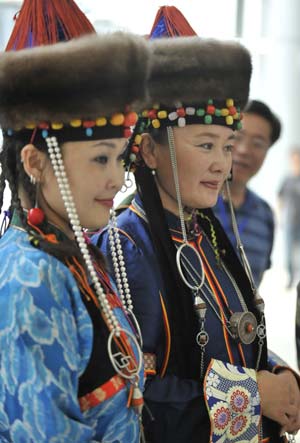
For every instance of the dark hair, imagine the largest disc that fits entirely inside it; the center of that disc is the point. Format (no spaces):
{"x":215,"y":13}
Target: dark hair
{"x":259,"y":108}
{"x":13,"y":173}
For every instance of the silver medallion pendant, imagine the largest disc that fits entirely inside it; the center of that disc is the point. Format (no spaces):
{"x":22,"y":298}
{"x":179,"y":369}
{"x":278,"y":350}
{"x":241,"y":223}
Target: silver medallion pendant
{"x":243,"y":327}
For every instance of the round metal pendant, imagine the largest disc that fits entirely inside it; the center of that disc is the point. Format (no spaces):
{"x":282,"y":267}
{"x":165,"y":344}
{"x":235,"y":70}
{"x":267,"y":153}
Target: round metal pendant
{"x":193,"y":278}
{"x":243,"y":326}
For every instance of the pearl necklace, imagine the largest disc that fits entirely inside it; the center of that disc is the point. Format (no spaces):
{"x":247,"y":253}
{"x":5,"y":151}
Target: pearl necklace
{"x":120,"y":361}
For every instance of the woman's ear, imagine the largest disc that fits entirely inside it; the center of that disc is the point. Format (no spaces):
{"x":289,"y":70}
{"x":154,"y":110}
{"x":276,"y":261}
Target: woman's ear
{"x":33,"y":161}
{"x":148,"y":151}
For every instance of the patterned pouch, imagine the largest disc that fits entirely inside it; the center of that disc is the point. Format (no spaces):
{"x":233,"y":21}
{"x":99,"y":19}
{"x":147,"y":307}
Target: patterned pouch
{"x":233,"y":403}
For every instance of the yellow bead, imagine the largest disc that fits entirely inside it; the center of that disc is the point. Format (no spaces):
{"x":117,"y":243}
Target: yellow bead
{"x":75,"y":123}
{"x":229,"y":120}
{"x":162,"y":114}
{"x":236,"y":116}
{"x":30,"y":126}
{"x":229,"y":102}
{"x":138,"y":139}
{"x":145,"y":113}
{"x":56,"y":125}
{"x":155,"y":106}
{"x":156,"y":123}
{"x":224,"y":112}
{"x":101,"y":121}
{"x":117,"y":119}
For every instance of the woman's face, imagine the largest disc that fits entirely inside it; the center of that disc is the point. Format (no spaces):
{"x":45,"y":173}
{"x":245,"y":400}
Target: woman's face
{"x":203,"y":155}
{"x":95,"y":173}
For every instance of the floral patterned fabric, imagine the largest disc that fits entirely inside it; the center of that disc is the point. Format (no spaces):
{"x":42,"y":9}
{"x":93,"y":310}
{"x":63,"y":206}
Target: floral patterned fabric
{"x":233,"y":403}
{"x":46,"y":339}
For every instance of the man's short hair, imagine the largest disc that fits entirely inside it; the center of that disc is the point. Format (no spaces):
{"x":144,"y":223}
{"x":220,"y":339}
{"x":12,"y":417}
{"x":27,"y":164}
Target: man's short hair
{"x":261,"y":109}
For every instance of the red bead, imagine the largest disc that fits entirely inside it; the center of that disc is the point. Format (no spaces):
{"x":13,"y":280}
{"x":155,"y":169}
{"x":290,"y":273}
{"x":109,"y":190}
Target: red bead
{"x":88,"y":123}
{"x":180,"y":112}
{"x":232,"y":110}
{"x":210,"y":109}
{"x":130,"y":119}
{"x":152,"y":114}
{"x":127,"y":133}
{"x":135,"y":149}
{"x":44,"y":125}
{"x":35,"y":216}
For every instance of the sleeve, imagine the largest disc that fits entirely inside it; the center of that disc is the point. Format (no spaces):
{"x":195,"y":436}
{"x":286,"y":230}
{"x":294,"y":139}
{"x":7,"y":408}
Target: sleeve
{"x":276,"y":364}
{"x":45,"y":341}
{"x":271,"y":238}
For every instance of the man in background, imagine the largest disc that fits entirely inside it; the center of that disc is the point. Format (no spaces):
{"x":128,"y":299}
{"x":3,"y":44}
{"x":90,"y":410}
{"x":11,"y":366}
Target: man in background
{"x":255,"y":219}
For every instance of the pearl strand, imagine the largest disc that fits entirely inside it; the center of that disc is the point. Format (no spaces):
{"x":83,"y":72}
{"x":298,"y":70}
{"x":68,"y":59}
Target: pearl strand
{"x":63,"y":184}
{"x":119,"y":263}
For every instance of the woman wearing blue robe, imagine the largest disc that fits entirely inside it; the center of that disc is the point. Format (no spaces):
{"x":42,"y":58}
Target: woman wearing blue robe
{"x":70,"y":362}
{"x":208,"y":374}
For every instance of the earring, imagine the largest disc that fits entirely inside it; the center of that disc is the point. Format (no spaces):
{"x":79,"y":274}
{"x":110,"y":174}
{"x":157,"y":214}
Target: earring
{"x":35,"y":215}
{"x":153,"y":171}
{"x":229,"y":177}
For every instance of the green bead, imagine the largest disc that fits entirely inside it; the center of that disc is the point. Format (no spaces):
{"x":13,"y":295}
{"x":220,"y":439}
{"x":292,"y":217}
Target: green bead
{"x":210,"y":101}
{"x":239,"y":125}
{"x":218,"y":112}
{"x":208,"y":119}
{"x":200,"y":112}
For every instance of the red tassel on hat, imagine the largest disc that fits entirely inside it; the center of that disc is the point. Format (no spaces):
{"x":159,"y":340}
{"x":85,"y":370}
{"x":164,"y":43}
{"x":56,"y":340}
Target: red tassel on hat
{"x":170,"y":22}
{"x":42,"y":22}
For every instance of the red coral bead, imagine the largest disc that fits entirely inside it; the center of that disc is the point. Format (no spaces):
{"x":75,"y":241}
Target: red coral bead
{"x":35,"y":216}
{"x":130,"y":119}
{"x":232,"y":110}
{"x":180,"y":112}
{"x":127,"y":132}
{"x":88,"y":123}
{"x":152,"y":114}
{"x":210,"y":109}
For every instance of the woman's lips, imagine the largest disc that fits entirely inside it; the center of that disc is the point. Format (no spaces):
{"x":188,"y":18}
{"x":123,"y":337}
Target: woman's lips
{"x":211,"y":185}
{"x":105,"y":202}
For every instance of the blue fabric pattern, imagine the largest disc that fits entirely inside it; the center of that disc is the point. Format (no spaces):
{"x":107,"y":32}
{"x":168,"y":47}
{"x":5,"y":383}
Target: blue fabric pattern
{"x":46,"y":339}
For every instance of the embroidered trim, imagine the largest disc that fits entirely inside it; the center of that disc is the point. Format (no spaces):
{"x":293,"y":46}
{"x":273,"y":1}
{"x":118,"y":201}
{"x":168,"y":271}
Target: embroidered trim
{"x":102,"y":393}
{"x":150,"y":363}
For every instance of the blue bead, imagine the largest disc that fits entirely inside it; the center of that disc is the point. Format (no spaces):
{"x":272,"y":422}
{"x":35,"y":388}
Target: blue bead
{"x":45,"y":133}
{"x":9,"y":132}
{"x":89,"y":132}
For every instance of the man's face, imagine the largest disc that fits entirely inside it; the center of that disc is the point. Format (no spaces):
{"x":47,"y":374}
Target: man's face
{"x":251,"y":147}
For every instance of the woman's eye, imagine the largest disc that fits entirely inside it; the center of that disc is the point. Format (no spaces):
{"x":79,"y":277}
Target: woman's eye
{"x":205,"y":145}
{"x":102,"y":159}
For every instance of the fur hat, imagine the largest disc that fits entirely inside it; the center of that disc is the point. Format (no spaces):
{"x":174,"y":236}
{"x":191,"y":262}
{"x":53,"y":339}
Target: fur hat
{"x":76,"y":84}
{"x":192,"y":70}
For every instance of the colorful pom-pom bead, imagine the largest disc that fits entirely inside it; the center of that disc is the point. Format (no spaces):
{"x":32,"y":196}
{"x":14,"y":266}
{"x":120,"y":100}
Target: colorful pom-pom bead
{"x":162,"y":114}
{"x":239,"y":125}
{"x":229,"y":120}
{"x":156,"y":106}
{"x":232,"y":110}
{"x":224,"y":112}
{"x":101,"y":121}
{"x":229,"y":102}
{"x":208,"y":119}
{"x":138,"y":139}
{"x":127,"y":133}
{"x":152,"y":114}
{"x":117,"y":119}
{"x":44,"y":125}
{"x":30,"y":126}
{"x":45,"y":133}
{"x":190,"y":111}
{"x":210,"y":109}
{"x":236,"y":116}
{"x":181,"y":122}
{"x":130,"y":119}
{"x":210,"y":101}
{"x":218,"y":112}
{"x":89,"y":132}
{"x":9,"y":132}
{"x":56,"y":125}
{"x":173,"y":116}
{"x":135,"y":149}
{"x":76,"y":123}
{"x":200,"y":112}
{"x":145,"y":113}
{"x":88,"y":123}
{"x":156,"y":123}
{"x":132,"y":157}
{"x":180,"y":112}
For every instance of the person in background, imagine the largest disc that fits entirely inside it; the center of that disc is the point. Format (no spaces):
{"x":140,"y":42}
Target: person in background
{"x":289,"y":206}
{"x":254,"y":216}
{"x":71,"y":367}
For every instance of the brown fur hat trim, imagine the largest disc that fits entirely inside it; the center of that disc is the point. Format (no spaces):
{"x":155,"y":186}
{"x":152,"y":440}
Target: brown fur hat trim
{"x":85,"y":78}
{"x":192,"y":70}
